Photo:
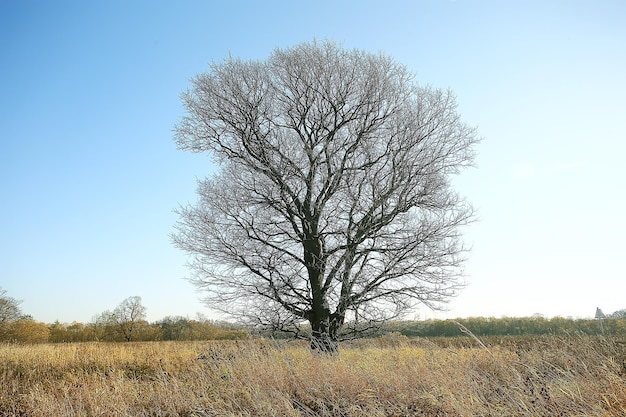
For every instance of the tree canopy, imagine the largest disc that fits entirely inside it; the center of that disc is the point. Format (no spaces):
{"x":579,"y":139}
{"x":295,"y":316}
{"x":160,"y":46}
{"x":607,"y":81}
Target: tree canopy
{"x":333,"y":203}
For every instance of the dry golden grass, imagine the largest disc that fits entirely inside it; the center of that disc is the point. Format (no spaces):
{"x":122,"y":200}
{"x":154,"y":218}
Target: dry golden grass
{"x":387,"y":377}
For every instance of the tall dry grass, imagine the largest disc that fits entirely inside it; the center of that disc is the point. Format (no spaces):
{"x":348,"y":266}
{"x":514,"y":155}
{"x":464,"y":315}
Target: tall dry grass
{"x":577,"y":376}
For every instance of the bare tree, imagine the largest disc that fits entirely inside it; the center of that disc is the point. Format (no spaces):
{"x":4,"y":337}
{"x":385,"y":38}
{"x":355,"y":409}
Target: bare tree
{"x":333,"y":204}
{"x":619,"y":314}
{"x":128,"y":316}
{"x":9,"y":308}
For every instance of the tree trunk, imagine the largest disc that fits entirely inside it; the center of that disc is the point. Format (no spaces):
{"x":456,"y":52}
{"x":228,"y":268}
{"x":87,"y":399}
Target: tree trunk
{"x":324,"y":337}
{"x":323,"y":332}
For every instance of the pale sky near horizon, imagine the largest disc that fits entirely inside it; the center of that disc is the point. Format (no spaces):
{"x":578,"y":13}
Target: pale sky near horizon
{"x":90,"y":175}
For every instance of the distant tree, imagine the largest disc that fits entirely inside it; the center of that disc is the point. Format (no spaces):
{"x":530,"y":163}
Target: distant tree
{"x":333,"y":205}
{"x":57,"y":332}
{"x":146,"y":332}
{"x":619,"y":314}
{"x":79,"y":332}
{"x":9,"y":308}
{"x":27,"y":330}
{"x":104,"y":327}
{"x":129,"y":315}
{"x":175,"y":328}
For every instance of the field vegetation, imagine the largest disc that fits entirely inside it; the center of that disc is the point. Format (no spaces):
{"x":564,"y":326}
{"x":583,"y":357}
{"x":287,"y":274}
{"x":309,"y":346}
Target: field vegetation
{"x":387,"y":376}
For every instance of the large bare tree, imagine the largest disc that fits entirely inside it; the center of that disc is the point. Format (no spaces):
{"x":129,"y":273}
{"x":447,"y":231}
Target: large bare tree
{"x":332,"y":204}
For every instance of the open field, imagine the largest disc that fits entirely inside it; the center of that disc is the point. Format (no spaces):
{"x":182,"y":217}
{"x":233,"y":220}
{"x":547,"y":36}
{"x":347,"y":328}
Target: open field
{"x":392,"y":376}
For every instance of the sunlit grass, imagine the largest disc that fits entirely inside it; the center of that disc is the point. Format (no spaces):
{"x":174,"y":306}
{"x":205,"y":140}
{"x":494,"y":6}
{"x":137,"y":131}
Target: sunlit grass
{"x":575,"y":376}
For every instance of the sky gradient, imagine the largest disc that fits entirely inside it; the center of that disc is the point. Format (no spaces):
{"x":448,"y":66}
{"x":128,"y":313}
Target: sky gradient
{"x":90,"y":175}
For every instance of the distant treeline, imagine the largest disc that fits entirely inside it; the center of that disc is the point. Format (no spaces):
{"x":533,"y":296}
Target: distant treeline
{"x":488,"y":326}
{"x":514,"y":326}
{"x":26,"y":330}
{"x":170,"y":328}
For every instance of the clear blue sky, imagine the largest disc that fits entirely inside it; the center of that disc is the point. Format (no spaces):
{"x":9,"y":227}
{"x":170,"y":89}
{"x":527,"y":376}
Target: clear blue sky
{"x":89,"y":173}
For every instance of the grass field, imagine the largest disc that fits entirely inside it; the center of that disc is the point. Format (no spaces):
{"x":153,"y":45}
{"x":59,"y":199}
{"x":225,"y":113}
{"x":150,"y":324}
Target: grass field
{"x":392,"y":376}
